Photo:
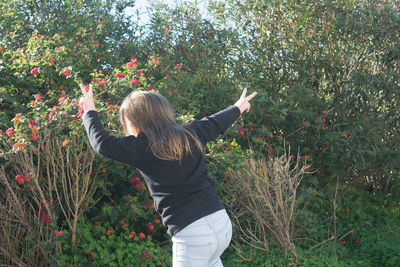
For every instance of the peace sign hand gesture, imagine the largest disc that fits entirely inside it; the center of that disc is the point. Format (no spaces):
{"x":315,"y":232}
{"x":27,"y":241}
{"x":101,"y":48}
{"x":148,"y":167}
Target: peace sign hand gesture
{"x":87,"y":100}
{"x":243,"y":102}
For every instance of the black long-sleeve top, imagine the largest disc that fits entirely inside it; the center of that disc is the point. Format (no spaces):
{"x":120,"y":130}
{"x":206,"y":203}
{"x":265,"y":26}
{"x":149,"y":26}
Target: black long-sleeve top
{"x":182,"y":191}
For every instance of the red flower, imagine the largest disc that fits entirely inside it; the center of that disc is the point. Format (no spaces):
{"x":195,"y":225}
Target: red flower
{"x":19,"y":145}
{"x":110,"y":231}
{"x":147,"y":255}
{"x":20,"y":178}
{"x":35,"y":71}
{"x":140,"y":72}
{"x":40,"y":212}
{"x":155,"y":60}
{"x":342,"y":241}
{"x":67,"y":73}
{"x":150,"y":88}
{"x":358,"y":240}
{"x":120,"y":75}
{"x":34,"y":129}
{"x":46,"y":219}
{"x":142,"y":235}
{"x":56,"y":233}
{"x":28,"y":177}
{"x":178,"y":66}
{"x":39,"y":36}
{"x":132,"y":64}
{"x":34,"y":137}
{"x":101,"y":82}
{"x":137,"y":186}
{"x":134,"y":180}
{"x":38,"y":97}
{"x":135,"y":81}
{"x":65,"y":143}
{"x":10,"y":132}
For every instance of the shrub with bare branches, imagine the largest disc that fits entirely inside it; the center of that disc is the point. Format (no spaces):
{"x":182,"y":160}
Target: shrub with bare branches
{"x":264,"y":200}
{"x":57,"y":179}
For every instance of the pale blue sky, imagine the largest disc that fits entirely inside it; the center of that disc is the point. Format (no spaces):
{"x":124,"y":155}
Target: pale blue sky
{"x":142,"y":5}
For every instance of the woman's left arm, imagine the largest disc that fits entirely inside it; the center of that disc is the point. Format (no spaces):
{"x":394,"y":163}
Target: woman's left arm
{"x":86,"y":101}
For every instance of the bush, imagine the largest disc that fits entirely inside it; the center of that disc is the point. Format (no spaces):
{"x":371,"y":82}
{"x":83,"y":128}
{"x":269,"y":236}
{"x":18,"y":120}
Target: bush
{"x":327,"y":84}
{"x":99,"y":244}
{"x":264,"y":193}
{"x":326,"y":77}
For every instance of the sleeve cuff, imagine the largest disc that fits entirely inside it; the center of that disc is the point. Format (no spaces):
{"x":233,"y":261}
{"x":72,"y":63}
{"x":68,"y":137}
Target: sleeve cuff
{"x":237,"y":108}
{"x":89,"y":111}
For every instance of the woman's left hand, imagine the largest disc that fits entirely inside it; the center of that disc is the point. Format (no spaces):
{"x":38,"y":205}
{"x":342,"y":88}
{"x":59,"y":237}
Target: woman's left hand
{"x":87,"y":101}
{"x":244,"y":101}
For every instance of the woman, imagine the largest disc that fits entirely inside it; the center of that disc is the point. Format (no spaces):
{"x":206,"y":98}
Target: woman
{"x":171,"y":160}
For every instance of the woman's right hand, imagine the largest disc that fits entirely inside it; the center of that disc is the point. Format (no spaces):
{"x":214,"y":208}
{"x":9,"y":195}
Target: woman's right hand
{"x":243,"y":102}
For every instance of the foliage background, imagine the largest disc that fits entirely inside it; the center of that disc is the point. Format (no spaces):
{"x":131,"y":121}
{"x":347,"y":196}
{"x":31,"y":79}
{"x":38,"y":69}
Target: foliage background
{"x":327,"y":74}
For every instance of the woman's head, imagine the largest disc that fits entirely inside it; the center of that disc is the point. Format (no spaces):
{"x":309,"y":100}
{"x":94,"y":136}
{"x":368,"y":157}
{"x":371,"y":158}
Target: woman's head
{"x":143,"y":108}
{"x":152,"y":114}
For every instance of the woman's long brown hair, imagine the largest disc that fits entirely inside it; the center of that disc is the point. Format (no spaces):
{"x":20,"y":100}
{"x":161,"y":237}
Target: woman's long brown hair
{"x":153,"y":115}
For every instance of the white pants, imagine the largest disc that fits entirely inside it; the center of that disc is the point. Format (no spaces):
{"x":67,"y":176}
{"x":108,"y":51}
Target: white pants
{"x":202,"y":242}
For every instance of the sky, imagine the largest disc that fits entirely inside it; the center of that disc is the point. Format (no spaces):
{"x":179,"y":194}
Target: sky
{"x":141,"y":5}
